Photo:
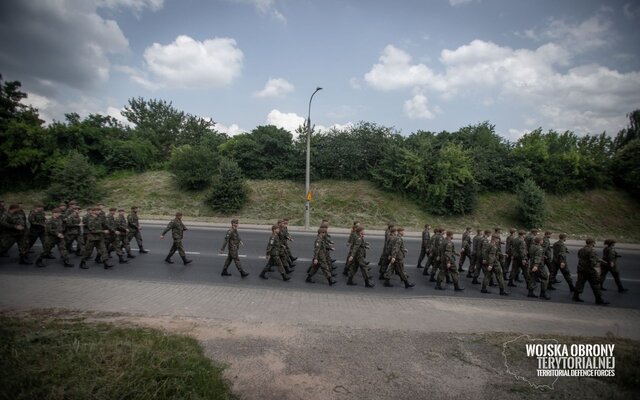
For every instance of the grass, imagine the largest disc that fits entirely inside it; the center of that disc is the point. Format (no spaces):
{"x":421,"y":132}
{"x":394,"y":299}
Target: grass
{"x":598,"y":213}
{"x":71,"y":359}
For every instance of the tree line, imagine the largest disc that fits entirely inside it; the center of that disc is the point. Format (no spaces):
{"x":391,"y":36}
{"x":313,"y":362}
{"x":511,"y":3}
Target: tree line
{"x":442,"y":171}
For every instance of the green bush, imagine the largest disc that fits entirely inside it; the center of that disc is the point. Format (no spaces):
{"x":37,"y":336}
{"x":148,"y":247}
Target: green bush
{"x":133,"y":154}
{"x":193,"y":167}
{"x":626,"y":167}
{"x":229,"y":191}
{"x":531,"y":204}
{"x":74,"y":177}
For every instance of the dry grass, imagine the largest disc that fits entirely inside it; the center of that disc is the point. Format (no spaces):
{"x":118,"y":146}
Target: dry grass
{"x":598,"y":213}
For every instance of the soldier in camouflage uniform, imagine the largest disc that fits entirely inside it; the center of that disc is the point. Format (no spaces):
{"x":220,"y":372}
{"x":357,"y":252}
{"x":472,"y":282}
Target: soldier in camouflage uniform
{"x":425,"y":244}
{"x":587,"y":263}
{"x":95,"y":229}
{"x":528,"y":240}
{"x":85,"y":221}
{"x":436,"y":248}
{"x":233,"y":242}
{"x":353,"y":236}
{"x":610,"y":264}
{"x":54,"y":237}
{"x":11,"y":224}
{"x":274,"y":249}
{"x":357,"y":258}
{"x":396,"y":263}
{"x":384,"y":256}
{"x":520,"y":259}
{"x":37,"y":221}
{"x":135,"y":228}
{"x":548,"y":252}
{"x":24,"y":221}
{"x":484,"y":241}
{"x":72,"y":233}
{"x":112,"y":239}
{"x":466,"y":249}
{"x":177,"y":229}
{"x":386,"y":251}
{"x":449,"y":263}
{"x":122,"y":226}
{"x":475,"y":243}
{"x":508,"y":253}
{"x":537,"y":268}
{"x":285,"y":224}
{"x":560,"y":263}
{"x":320,"y":254}
{"x":285,"y":254}
{"x":491,"y":264}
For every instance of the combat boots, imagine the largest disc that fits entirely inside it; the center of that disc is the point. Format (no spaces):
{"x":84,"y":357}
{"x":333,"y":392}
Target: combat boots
{"x":475,"y":281}
{"x":457,"y":287}
{"x":531,"y":294}
{"x":408,"y":284}
{"x":439,"y":286}
{"x":432,"y":278}
{"x":331,"y":281}
{"x":368,"y":283}
{"x":143,"y":251}
{"x":263,"y":275}
{"x":309,"y":280}
{"x":39,"y":263}
{"x":25,"y":261}
{"x":225,"y":273}
{"x":243,"y":273}
{"x":571,"y":287}
{"x":387,"y":283}
{"x":350,"y":281}
{"x":122,"y":260}
{"x":285,"y":277}
{"x":186,"y":261}
{"x":601,"y":302}
{"x":511,"y":284}
{"x":107,"y":265}
{"x":543,"y":295}
{"x":550,"y":287}
{"x":503,"y":292}
{"x":168,"y":260}
{"x":130,"y":255}
{"x":83,"y":265}
{"x":67,"y":263}
{"x":98,"y":259}
{"x":576,"y":297}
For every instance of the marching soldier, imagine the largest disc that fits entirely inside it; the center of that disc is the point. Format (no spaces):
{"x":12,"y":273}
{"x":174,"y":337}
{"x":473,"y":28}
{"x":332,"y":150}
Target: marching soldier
{"x":396,"y":263}
{"x":37,"y":221}
{"x":610,"y":264}
{"x":508,"y":252}
{"x":560,"y":263}
{"x":436,"y":248}
{"x":466,"y":249}
{"x":54,"y":237}
{"x":177,"y":229}
{"x":13,"y":229}
{"x":386,"y":251}
{"x":424,"y":248}
{"x":135,"y":228}
{"x":491,"y":264}
{"x":357,"y":257}
{"x":484,"y":241}
{"x":233,"y":242}
{"x":122,"y":226}
{"x":274,"y":249}
{"x":95,"y":230}
{"x":520,"y":260}
{"x":72,"y":226}
{"x":449,"y":263}
{"x":587,"y":272}
{"x":320,"y":254}
{"x":537,"y":268}
{"x":353,"y":236}
{"x":113,"y":241}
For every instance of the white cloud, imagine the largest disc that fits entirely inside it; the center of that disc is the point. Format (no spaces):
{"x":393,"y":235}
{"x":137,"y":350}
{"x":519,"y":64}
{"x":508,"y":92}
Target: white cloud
{"x":287,"y":121}
{"x":275,"y":88}
{"x":418,"y":108}
{"x":266,"y":7}
{"x":355,"y":83}
{"x":394,"y":71}
{"x":230,"y":130}
{"x":575,"y":38}
{"x":188,"y":63}
{"x":135,"y":5}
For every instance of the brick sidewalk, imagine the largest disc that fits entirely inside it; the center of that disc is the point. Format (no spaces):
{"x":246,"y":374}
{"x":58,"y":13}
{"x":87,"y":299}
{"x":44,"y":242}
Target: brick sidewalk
{"x":424,"y":314}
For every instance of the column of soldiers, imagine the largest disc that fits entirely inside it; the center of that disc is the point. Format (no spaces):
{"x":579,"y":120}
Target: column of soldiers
{"x":106,"y":233}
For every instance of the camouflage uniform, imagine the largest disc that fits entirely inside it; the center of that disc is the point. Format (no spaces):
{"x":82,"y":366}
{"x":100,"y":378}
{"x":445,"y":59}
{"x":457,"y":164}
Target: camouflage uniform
{"x":475,"y":254}
{"x":12,"y":235}
{"x":320,"y":253}
{"x":560,"y":264}
{"x":72,"y":232}
{"x":350,"y":242}
{"x":54,"y":229}
{"x":37,"y":222}
{"x":424,"y":248}
{"x":397,"y":253}
{"x":466,"y":250}
{"x":587,"y":272}
{"x":491,"y":265}
{"x":480,"y":257}
{"x":359,"y":254}
{"x":508,"y":254}
{"x":111,"y":239}
{"x":232,"y":241}
{"x":610,"y":264}
{"x":536,"y":260}
{"x":274,"y":249}
{"x":436,"y":249}
{"x":134,"y":230}
{"x":177,"y":229}
{"x":95,"y":239}
{"x":122,"y":226}
{"x":520,"y":260}
{"x":448,"y":264}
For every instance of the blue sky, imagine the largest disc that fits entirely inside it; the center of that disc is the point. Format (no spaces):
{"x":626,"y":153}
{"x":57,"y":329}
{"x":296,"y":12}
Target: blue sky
{"x":413,"y":65}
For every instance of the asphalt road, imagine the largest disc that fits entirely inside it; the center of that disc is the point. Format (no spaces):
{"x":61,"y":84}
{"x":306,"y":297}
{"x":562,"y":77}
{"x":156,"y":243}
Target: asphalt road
{"x":202,"y":245}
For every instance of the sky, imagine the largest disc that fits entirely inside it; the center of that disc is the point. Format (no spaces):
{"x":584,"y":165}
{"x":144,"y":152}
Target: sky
{"x":408,"y":64}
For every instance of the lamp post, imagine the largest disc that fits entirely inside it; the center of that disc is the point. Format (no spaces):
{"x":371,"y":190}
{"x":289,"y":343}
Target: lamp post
{"x":307,"y":185}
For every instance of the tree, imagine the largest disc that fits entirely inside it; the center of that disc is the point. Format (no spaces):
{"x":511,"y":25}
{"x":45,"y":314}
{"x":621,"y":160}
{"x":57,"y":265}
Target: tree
{"x":165,"y":126}
{"x":626,"y":167}
{"x":531,"y":204}
{"x":74,"y":178}
{"x":193,"y":166}
{"x":229,"y":192}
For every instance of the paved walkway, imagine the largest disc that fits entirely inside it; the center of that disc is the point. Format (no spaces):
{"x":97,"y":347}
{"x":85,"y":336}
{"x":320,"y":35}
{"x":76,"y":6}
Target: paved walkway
{"x":229,"y":303}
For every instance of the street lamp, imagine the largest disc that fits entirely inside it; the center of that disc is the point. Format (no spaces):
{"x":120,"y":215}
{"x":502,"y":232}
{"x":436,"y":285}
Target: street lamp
{"x":306,"y":186}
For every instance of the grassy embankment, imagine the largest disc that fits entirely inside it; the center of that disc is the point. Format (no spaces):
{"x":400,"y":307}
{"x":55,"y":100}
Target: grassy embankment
{"x":598,"y":213}
{"x":43,"y":358}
